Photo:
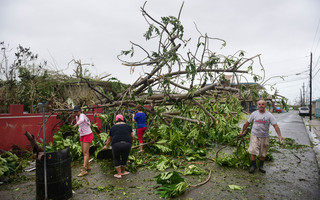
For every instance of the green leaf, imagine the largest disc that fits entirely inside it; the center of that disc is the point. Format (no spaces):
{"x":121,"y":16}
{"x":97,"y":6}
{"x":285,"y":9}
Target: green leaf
{"x":162,"y":142}
{"x":125,"y":52}
{"x":193,"y":170}
{"x":162,"y":148}
{"x":235,"y":187}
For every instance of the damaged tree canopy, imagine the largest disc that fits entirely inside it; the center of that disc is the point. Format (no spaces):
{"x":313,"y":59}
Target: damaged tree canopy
{"x":175,"y":73}
{"x":192,"y":100}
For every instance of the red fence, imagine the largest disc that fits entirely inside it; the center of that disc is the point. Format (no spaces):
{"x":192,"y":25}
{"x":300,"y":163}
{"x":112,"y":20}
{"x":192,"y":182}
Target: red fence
{"x":14,"y":124}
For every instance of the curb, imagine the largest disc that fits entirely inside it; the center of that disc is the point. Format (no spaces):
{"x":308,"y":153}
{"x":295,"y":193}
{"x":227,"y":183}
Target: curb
{"x":314,"y":139}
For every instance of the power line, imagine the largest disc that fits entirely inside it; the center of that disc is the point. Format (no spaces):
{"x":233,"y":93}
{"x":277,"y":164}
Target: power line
{"x":316,"y":65}
{"x":291,"y":80}
{"x":317,"y":88}
{"x":286,"y":60}
{"x":294,"y":74}
{"x":315,"y":35}
{"x":291,"y":86}
{"x":285,"y":77}
{"x":316,"y":80}
{"x":315,"y":49}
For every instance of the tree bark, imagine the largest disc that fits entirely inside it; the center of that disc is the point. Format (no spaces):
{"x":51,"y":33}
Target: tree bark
{"x":33,"y":143}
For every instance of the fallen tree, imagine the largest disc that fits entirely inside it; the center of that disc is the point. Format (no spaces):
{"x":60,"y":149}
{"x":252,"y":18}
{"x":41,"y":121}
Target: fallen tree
{"x":175,"y":73}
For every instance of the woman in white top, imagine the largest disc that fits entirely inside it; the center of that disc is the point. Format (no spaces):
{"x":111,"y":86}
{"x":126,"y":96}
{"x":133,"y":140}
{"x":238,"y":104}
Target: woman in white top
{"x":86,"y":137}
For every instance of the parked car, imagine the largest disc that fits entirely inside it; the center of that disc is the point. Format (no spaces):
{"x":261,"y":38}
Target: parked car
{"x":278,"y":110}
{"x":304,"y":111}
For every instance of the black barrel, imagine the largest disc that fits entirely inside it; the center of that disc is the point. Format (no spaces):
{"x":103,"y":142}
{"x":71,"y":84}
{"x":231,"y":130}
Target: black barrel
{"x":59,"y":184}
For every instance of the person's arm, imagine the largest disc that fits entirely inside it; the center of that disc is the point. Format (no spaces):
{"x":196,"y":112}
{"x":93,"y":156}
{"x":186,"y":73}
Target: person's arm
{"x":76,"y":124}
{"x":81,"y":119}
{"x":276,"y":127}
{"x":244,"y":128}
{"x":108,"y":142}
{"x":132,"y":137}
{"x":133,"y":118}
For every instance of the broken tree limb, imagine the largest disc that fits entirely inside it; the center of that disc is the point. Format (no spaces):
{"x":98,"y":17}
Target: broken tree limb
{"x":172,"y":113}
{"x":33,"y":143}
{"x":204,"y":182}
{"x":145,"y":81}
{"x":238,"y":137}
{"x":151,"y":142}
{"x":151,"y":80}
{"x":184,"y":118}
{"x":214,"y":87}
{"x":205,"y":111}
{"x":179,"y":86}
{"x":94,"y":89}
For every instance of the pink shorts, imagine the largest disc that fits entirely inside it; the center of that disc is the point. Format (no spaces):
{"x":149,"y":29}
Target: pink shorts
{"x":87,"y":138}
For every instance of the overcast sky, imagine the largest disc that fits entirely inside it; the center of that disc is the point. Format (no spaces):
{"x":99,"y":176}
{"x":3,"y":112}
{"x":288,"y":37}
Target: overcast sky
{"x":284,"y":32}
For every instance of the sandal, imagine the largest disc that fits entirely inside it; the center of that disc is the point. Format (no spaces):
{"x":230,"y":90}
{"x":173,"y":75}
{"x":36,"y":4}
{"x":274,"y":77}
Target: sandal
{"x":83,"y":172}
{"x":125,"y":173}
{"x":117,"y":176}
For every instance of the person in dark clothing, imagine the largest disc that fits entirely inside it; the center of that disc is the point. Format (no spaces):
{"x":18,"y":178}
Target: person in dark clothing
{"x":121,"y":138}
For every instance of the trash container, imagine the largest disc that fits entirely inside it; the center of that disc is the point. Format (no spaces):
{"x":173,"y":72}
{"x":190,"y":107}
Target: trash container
{"x":59,"y":182}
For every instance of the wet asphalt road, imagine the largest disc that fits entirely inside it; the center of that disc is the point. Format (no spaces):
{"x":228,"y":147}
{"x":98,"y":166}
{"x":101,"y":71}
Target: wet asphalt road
{"x":291,"y":126}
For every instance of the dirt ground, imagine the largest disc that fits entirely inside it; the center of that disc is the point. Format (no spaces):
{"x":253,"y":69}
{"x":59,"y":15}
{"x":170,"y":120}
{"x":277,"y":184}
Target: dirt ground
{"x":286,"y":178}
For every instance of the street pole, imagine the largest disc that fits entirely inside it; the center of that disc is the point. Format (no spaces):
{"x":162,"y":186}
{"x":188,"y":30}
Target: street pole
{"x":300,"y":98}
{"x":310,"y":86}
{"x":43,"y":107}
{"x":303,"y":96}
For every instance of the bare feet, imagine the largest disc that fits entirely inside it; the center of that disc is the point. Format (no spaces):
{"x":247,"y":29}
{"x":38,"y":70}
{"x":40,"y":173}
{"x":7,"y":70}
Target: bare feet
{"x":117,"y":176}
{"x":125,"y":173}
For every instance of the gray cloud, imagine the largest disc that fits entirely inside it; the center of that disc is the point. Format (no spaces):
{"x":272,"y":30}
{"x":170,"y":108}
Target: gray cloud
{"x":96,"y":31}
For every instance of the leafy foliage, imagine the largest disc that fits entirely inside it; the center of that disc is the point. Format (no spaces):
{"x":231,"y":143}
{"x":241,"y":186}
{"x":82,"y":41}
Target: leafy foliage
{"x":29,"y":82}
{"x":165,"y":163}
{"x":187,"y":138}
{"x":239,"y":158}
{"x":59,"y":143}
{"x":10,"y":164}
{"x":172,"y":184}
{"x":235,"y":187}
{"x":287,"y":143}
{"x":193,"y":170}
{"x":69,"y":136}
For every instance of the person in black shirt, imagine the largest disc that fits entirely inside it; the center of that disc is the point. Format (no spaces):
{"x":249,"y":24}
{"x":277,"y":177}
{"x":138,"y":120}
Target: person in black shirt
{"x":121,"y":138}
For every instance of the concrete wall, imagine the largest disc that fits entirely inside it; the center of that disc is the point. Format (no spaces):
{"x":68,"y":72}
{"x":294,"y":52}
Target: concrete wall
{"x":14,"y":124}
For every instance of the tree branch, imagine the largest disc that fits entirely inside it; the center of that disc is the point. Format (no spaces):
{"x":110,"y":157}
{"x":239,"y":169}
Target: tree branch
{"x":184,"y":118}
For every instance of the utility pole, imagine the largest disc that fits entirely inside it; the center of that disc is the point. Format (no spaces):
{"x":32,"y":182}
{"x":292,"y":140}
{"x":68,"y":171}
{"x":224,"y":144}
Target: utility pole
{"x":303,"y":96}
{"x":310,"y":85}
{"x":307,"y":95}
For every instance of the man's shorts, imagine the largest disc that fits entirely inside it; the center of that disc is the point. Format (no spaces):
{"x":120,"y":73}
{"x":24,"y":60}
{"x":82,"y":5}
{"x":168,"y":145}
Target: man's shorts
{"x":258,"y":145}
{"x":87,"y":138}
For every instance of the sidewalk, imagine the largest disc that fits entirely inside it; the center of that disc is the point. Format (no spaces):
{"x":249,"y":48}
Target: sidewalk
{"x":313,"y":129}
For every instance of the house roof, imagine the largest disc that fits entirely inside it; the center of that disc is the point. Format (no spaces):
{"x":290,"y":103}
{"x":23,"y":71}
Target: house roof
{"x":248,"y":83}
